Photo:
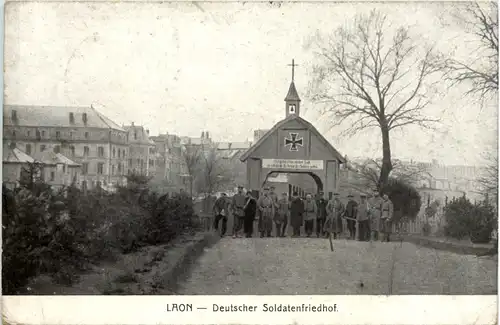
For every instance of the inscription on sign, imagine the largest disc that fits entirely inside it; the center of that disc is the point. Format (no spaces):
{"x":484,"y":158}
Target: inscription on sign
{"x":295,"y":164}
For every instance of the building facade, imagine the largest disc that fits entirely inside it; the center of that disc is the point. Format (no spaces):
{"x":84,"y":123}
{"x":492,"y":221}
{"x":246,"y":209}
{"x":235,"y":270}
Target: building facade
{"x":81,"y":134}
{"x":141,"y":151}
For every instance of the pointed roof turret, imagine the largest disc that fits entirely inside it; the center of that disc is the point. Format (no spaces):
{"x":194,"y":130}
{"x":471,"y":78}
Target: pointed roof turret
{"x":292,"y":93}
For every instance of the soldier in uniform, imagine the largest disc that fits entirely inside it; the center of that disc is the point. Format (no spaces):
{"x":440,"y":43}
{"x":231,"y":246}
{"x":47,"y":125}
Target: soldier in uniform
{"x":310,"y":213}
{"x":363,"y":217}
{"x":282,"y":213}
{"x":237,"y":205}
{"x":351,"y":213}
{"x":335,"y":210}
{"x":375,"y":204}
{"x":220,"y":213}
{"x":250,"y":210}
{"x":321,"y":202}
{"x":387,"y":212}
{"x":296,"y":214}
{"x":267,"y":209}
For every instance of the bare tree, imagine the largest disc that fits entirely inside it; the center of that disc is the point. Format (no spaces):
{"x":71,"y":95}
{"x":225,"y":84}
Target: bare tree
{"x":368,"y":171}
{"x":367,"y":77}
{"x":214,"y":172}
{"x":480,"y":71}
{"x":488,"y":181}
{"x":192,"y":155}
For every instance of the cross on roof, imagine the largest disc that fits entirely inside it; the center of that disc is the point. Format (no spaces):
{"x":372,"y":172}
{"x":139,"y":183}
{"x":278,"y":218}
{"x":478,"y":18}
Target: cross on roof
{"x":293,"y":68}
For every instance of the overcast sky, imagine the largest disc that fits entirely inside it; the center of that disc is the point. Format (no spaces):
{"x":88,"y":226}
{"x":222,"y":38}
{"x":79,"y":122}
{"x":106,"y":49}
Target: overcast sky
{"x":222,"y":67}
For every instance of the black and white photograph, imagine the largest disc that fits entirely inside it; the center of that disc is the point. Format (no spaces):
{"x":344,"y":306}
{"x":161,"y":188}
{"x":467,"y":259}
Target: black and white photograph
{"x":250,"y":148}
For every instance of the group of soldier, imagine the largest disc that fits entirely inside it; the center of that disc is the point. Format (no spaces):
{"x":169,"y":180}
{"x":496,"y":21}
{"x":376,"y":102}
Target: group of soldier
{"x":370,"y":217}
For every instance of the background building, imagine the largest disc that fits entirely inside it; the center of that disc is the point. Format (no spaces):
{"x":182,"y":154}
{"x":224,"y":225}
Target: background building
{"x":81,"y":134}
{"x":141,"y":150}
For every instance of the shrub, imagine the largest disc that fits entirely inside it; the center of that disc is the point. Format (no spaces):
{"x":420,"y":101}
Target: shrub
{"x":405,"y":198}
{"x":464,"y":219}
{"x":61,"y":233}
{"x":426,"y":229}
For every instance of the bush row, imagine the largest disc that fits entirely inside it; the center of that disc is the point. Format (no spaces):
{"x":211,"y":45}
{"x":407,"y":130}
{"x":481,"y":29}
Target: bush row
{"x":61,"y":233}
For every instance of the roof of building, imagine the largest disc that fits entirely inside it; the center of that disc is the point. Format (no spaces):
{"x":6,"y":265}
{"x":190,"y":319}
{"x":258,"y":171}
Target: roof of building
{"x":56,"y":116}
{"x":14,"y":155}
{"x":143,"y":136}
{"x":292,"y":93}
{"x":334,"y":151}
{"x":51,"y":158}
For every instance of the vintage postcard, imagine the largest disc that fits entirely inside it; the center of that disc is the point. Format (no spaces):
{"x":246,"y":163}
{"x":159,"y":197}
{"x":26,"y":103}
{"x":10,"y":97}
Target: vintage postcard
{"x":250,"y":162}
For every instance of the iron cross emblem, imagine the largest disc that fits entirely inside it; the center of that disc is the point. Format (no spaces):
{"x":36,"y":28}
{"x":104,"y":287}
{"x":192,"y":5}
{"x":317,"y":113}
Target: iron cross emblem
{"x":294,"y":142}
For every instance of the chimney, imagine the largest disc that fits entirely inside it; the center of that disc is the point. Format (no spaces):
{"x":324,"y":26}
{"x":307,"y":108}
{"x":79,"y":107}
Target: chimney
{"x":207,"y":135}
{"x":202,"y":134}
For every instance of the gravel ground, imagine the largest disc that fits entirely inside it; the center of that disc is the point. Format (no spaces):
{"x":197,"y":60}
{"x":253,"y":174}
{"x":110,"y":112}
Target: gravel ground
{"x":275,"y":266}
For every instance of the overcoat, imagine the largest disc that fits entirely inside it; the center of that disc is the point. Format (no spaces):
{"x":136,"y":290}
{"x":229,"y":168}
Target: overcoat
{"x":283,"y":211}
{"x":296,"y":212}
{"x":335,"y":209}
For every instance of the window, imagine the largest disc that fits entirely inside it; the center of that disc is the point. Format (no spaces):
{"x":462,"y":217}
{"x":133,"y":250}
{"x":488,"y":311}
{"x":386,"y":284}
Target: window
{"x":38,"y":136}
{"x":100,"y":152}
{"x":42,"y":148}
{"x":151,"y":162}
{"x":28,"y":149}
{"x":57,"y":149}
{"x":28,"y":133}
{"x":112,"y":169}
{"x":291,"y":109}
{"x":71,"y":118}
{"x":119,"y":167}
{"x":52,"y":176}
{"x":119,"y":153}
{"x":14,"y":132}
{"x":43,"y":133}
{"x":135,"y":135}
{"x":14,"y":115}
{"x":71,"y":135}
{"x":72,"y":149}
{"x":58,"y":134}
{"x":114,"y":152}
{"x":84,"y":118}
{"x":100,"y":168}
{"x":130,"y":162}
{"x":85,"y":168}
{"x":86,"y":135}
{"x":64,"y":168}
{"x":86,"y":151}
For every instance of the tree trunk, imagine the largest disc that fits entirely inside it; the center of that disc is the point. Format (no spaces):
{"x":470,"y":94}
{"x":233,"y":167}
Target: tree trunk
{"x":386,"y":157}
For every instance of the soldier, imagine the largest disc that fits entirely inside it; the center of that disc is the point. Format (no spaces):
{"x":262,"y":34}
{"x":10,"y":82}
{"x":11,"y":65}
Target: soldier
{"x":335,"y":210}
{"x":281,"y":217}
{"x":250,"y":210}
{"x":266,"y":206}
{"x":321,"y":202}
{"x":363,"y":217}
{"x":351,"y":212}
{"x":296,"y":214}
{"x":237,"y":205}
{"x":220,"y":212}
{"x":387,"y":212}
{"x":375,"y":204}
{"x":310,"y":213}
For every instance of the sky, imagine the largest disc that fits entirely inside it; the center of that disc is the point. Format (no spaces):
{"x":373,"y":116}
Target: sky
{"x":222,"y":67}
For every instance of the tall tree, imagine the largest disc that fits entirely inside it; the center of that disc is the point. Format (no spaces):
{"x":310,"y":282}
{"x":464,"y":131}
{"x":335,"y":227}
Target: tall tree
{"x":214,"y":171}
{"x":370,"y":75}
{"x":488,"y":180}
{"x":480,"y":69}
{"x":192,"y":155}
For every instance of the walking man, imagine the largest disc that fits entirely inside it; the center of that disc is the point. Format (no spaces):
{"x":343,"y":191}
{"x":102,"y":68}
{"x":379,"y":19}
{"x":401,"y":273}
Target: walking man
{"x":310,"y":213}
{"x":237,"y":205}
{"x":296,"y":214}
{"x":375,"y":204}
{"x":363,"y":217}
{"x":335,"y":210}
{"x":267,"y":209}
{"x":220,"y":213}
{"x":280,"y":220}
{"x":351,"y":211}
{"x":386,"y":218}
{"x":321,"y":203}
{"x":250,"y":210}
